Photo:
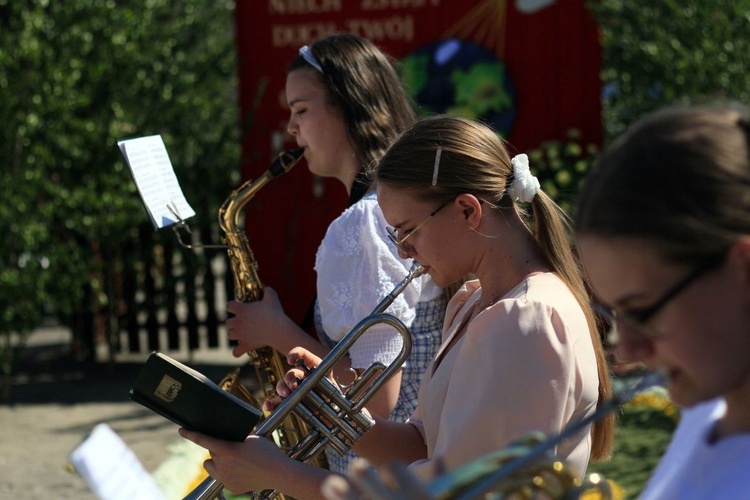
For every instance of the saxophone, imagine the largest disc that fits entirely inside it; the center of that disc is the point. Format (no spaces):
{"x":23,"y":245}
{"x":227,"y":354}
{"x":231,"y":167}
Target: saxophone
{"x":334,"y":414}
{"x":269,"y":365}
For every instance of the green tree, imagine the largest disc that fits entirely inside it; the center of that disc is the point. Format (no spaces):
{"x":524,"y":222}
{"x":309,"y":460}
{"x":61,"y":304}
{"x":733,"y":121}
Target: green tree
{"x":75,"y":77}
{"x":668,"y":51}
{"x":562,"y":165}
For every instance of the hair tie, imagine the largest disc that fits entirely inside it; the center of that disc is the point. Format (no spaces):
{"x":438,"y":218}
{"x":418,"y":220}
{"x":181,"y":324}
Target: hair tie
{"x":524,"y":186}
{"x":308,"y":56}
{"x":436,"y":167}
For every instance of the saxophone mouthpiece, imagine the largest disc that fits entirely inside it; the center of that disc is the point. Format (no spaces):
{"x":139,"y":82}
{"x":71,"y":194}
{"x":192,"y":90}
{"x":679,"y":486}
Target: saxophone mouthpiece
{"x":285,"y":161}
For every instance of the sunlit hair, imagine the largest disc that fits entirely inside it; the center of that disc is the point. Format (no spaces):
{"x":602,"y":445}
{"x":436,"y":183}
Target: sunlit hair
{"x":363,"y":84}
{"x":679,"y":178}
{"x":475,"y":160}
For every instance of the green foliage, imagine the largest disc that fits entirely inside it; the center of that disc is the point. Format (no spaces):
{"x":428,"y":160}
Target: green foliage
{"x":561,"y":167}
{"x":641,"y":437}
{"x":414,"y":72}
{"x":668,"y":51}
{"x":75,"y":77}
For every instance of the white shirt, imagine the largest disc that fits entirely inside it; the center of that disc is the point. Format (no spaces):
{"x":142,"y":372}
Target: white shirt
{"x":354,"y":250}
{"x":693,"y":468}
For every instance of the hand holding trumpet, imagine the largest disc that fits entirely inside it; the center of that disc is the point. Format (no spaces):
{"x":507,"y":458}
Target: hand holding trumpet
{"x":241,"y":467}
{"x":257,"y":463}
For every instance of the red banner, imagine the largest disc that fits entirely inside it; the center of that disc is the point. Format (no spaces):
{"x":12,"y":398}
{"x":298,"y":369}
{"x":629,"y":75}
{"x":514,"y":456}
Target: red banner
{"x":530,"y":68}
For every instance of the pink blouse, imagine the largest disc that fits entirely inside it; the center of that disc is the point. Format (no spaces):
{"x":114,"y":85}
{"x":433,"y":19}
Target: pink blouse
{"x":524,"y":364}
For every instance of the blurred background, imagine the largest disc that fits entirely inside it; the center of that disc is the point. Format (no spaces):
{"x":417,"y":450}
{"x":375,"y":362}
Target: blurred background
{"x":88,"y":288}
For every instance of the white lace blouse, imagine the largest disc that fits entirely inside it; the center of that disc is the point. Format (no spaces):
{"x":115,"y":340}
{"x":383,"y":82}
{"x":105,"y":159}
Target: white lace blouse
{"x":354,"y":251}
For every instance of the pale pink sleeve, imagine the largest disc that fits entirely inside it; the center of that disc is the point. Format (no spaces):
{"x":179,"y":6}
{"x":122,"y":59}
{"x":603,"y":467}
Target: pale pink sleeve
{"x":513,"y":376}
{"x":416,"y":421}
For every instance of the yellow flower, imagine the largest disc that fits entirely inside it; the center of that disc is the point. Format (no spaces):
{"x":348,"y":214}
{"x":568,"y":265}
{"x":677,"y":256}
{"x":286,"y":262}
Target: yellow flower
{"x":616,"y":492}
{"x":654,"y":400}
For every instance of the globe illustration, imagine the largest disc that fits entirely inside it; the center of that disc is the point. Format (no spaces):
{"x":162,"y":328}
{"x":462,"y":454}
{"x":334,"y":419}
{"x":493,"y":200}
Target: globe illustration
{"x":461,"y":78}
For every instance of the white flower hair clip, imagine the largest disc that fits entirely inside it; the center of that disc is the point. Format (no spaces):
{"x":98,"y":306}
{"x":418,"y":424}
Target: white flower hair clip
{"x":524,"y":186}
{"x":308,"y":56}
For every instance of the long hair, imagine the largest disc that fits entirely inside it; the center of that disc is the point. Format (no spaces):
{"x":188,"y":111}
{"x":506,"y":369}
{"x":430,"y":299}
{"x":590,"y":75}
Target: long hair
{"x":363,"y":83}
{"x":474,"y":159}
{"x":679,"y":178}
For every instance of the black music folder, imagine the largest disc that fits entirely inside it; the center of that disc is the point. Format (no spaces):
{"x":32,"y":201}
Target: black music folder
{"x":191,"y":400}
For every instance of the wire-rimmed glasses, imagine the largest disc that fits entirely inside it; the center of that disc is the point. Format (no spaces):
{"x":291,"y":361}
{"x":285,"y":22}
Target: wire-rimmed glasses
{"x":635,"y":320}
{"x":393,"y":234}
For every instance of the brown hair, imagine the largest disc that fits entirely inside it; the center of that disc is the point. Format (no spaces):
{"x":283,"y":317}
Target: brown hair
{"x":679,"y":178}
{"x":474,"y":159}
{"x":363,"y":84}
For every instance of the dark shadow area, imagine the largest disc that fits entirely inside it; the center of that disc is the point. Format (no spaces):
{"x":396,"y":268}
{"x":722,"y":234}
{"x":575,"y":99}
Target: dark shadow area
{"x":50,"y":374}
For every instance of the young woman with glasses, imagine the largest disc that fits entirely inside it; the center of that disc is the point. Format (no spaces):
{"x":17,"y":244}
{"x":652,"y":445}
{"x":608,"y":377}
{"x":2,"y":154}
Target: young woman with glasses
{"x":663,"y":229}
{"x":520,"y":349}
{"x":346,"y":103}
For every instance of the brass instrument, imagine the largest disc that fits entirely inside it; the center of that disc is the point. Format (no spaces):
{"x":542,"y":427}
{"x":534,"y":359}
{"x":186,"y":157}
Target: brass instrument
{"x":526,"y":469}
{"x":269,"y":365}
{"x":335,"y":417}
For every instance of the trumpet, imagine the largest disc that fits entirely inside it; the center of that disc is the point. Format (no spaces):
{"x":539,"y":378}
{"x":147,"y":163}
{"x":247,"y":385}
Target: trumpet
{"x":335,"y":418}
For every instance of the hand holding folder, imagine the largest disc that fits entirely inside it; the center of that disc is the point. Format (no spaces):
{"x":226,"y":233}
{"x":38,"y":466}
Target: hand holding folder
{"x":191,"y":400}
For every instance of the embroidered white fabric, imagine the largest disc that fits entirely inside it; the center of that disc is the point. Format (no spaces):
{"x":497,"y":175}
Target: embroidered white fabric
{"x":357,"y":266}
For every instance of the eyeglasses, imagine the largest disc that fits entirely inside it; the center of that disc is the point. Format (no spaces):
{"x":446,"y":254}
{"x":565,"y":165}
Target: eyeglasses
{"x":393,"y":235}
{"x":636,"y":319}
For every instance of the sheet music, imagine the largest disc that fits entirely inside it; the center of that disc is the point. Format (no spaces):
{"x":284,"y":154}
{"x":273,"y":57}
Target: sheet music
{"x":152,"y":170}
{"x":111,"y":469}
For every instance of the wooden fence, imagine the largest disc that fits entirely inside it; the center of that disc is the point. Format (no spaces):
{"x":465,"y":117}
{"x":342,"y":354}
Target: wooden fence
{"x":173,"y":298}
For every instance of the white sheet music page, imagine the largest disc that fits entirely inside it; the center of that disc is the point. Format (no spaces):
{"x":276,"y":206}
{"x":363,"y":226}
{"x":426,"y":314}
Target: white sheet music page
{"x":111,"y":469}
{"x":152,"y":170}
